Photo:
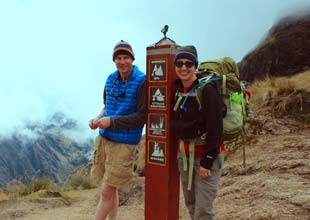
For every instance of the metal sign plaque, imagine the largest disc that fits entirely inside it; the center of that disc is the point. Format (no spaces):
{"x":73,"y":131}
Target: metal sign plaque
{"x":157,"y":152}
{"x":158,"y":97}
{"x":157,"y":125}
{"x":158,"y":70}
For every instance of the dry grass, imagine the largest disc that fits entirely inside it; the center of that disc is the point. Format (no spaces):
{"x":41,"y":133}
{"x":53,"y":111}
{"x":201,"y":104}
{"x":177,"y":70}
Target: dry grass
{"x":3,"y":195}
{"x":283,"y":96}
{"x":17,"y":190}
{"x":44,"y":187}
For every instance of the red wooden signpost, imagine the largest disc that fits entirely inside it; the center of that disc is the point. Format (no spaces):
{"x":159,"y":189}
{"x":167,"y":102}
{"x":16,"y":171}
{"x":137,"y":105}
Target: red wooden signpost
{"x":162,"y":176}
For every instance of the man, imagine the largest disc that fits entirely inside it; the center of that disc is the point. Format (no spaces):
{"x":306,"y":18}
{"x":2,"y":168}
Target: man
{"x":198,"y":122}
{"x":120,"y":125}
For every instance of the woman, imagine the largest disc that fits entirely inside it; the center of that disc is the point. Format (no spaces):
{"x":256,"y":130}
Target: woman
{"x":199,"y":129}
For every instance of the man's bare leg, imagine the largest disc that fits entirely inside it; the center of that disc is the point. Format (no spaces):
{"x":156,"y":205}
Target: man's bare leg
{"x":114,"y":210}
{"x":107,"y":202}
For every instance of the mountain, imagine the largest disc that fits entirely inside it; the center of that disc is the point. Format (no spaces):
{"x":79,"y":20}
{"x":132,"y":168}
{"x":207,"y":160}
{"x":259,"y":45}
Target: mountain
{"x":284,"y":52}
{"x":45,"y":150}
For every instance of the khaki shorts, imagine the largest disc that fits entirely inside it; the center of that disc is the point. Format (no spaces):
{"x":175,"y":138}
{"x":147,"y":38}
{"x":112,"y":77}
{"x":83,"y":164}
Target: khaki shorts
{"x":113,"y":162}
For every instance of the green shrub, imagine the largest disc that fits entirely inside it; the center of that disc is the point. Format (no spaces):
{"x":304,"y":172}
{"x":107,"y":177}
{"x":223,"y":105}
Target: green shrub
{"x":41,"y":184}
{"x":79,"y":182}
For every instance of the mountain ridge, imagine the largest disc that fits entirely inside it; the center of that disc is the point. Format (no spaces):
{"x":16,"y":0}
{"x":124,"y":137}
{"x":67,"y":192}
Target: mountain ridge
{"x":47,"y":152}
{"x":285,"y":50}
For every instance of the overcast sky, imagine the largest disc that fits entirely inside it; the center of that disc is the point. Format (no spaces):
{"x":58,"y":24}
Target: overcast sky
{"x":56,"y":54}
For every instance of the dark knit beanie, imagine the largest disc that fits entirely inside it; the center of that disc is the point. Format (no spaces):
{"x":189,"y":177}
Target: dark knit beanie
{"x":188,"y":52}
{"x":123,"y":47}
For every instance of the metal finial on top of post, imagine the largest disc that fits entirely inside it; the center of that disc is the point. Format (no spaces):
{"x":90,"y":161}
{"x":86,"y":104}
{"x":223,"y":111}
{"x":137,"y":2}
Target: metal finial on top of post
{"x":165,"y":30}
{"x":165,"y":39}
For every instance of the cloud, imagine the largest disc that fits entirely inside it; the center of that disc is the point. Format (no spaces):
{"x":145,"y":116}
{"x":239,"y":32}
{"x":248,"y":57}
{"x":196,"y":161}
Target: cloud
{"x":20,"y":105}
{"x":56,"y":55}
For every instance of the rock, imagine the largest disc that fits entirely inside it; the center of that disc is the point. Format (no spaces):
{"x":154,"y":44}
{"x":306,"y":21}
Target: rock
{"x":284,"y":52}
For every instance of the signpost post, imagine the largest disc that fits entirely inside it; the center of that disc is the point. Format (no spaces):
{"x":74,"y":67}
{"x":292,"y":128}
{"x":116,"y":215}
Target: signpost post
{"x":162,"y":175}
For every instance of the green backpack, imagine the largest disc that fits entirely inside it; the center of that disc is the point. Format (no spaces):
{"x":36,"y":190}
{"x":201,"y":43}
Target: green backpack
{"x":232,"y":91}
{"x":225,"y":71}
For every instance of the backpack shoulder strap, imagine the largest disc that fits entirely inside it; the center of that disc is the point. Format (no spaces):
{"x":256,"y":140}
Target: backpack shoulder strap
{"x":208,"y":79}
{"x":195,"y":91}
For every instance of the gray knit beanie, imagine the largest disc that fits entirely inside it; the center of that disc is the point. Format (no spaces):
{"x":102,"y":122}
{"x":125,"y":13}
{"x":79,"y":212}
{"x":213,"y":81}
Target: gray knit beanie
{"x":188,"y":52}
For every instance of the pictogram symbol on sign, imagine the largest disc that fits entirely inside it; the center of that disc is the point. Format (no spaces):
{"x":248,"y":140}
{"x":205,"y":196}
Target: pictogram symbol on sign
{"x":158,"y":96}
{"x":157,"y":152}
{"x":157,"y":125}
{"x":158,"y":70}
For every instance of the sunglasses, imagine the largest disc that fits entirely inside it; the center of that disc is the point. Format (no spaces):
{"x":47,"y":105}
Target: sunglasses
{"x":122,"y":91}
{"x":188,"y":64}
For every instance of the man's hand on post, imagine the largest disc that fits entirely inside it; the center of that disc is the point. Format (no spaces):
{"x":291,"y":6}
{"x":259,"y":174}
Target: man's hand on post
{"x":104,"y":122}
{"x":92,"y":123}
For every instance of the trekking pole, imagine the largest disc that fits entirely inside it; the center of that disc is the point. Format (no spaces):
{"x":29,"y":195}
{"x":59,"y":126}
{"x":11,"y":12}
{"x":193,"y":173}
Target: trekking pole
{"x":244,"y":131}
{"x":243,"y":148}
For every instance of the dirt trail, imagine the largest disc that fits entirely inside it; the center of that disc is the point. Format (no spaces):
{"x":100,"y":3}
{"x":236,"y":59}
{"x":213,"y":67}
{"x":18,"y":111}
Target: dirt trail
{"x":81,"y":206}
{"x":78,"y":208}
{"x":275,"y":183}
